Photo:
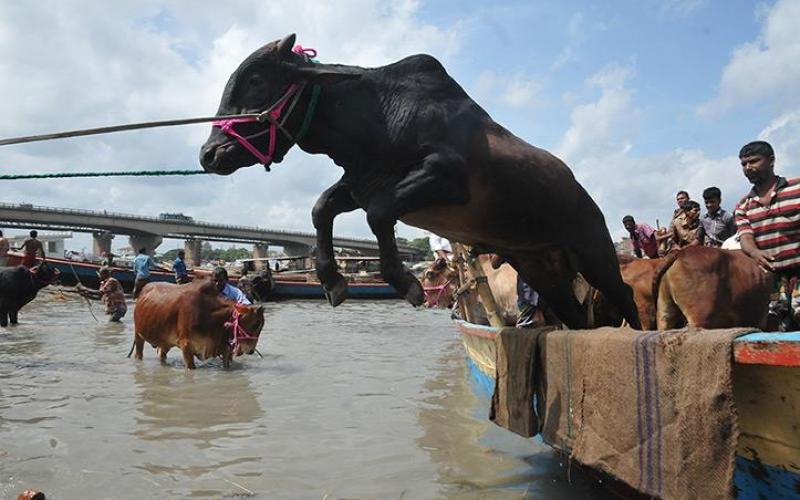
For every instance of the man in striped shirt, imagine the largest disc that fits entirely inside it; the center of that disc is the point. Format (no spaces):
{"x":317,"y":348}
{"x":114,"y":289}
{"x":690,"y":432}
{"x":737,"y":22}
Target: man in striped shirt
{"x":768,"y":223}
{"x":768,"y":218}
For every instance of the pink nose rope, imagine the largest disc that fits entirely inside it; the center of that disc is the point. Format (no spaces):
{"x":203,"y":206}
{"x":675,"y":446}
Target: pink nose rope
{"x":237,"y":331}
{"x":273,"y":116}
{"x":434,"y":293}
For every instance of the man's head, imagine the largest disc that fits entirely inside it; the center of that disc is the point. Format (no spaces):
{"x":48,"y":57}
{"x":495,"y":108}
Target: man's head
{"x":34,"y":233}
{"x":143,"y":250}
{"x":681,"y":198}
{"x":104,"y":273}
{"x":181,"y":254}
{"x":629,"y":223}
{"x":758,"y":161}
{"x":220,"y":277}
{"x":712,"y":197}
{"x":692,"y":210}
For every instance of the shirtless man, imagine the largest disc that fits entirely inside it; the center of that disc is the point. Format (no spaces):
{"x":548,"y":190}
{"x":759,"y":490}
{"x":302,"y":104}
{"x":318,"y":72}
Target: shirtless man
{"x":30,"y":246}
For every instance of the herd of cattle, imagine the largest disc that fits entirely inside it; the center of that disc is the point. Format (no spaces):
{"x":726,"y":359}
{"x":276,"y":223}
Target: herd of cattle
{"x":699,"y":287}
{"x":194,"y":318}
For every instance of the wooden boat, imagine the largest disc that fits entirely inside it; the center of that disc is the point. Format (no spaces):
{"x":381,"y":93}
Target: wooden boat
{"x":302,"y":284}
{"x":294,"y":280}
{"x":87,"y":272}
{"x":766,"y":378}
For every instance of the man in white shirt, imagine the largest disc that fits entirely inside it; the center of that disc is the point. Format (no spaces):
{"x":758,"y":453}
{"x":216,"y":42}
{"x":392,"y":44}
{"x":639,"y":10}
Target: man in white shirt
{"x":226,"y":289}
{"x":440,"y":247}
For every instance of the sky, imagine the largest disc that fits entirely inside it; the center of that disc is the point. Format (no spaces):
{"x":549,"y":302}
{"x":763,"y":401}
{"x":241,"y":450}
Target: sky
{"x":641,"y":98}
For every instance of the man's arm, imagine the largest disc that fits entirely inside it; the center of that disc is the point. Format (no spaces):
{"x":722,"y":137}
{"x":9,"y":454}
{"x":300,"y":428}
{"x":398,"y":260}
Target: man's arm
{"x":750,"y":249}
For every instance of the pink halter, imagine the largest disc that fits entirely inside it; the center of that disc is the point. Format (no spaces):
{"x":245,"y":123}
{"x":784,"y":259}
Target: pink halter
{"x":237,"y":331}
{"x":272,"y":114}
{"x":434,"y":293}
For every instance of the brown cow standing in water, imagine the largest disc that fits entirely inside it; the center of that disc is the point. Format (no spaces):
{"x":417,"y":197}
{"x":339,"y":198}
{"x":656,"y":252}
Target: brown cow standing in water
{"x":415,"y":147}
{"x":705,"y":287}
{"x":197,"y":319}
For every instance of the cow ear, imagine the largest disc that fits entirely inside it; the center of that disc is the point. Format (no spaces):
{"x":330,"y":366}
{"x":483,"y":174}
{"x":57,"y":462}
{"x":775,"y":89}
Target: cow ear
{"x":321,"y":75}
{"x":286,"y":45}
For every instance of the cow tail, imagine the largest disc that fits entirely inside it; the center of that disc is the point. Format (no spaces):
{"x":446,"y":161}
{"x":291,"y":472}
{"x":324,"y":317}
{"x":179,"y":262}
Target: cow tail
{"x":660,"y":272}
{"x":133,"y":344}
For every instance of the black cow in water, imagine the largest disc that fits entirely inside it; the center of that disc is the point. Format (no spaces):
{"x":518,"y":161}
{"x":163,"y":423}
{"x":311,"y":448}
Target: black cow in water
{"x":19,"y":285}
{"x":415,"y":147}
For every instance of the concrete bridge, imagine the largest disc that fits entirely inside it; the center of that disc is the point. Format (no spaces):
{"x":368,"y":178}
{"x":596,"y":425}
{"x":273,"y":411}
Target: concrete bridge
{"x":149,"y":232}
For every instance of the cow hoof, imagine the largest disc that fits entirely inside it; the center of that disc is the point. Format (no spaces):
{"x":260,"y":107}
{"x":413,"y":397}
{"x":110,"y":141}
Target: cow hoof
{"x":337,"y":293}
{"x":415,"y":295}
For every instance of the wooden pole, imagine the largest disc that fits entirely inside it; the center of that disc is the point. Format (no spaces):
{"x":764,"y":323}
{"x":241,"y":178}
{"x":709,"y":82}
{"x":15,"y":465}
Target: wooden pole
{"x":481,"y":284}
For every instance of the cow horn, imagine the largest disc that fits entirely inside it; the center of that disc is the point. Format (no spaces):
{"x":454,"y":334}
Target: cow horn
{"x":286,"y":45}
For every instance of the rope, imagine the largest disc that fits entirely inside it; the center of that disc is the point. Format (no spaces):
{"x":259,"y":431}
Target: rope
{"x":135,"y":173}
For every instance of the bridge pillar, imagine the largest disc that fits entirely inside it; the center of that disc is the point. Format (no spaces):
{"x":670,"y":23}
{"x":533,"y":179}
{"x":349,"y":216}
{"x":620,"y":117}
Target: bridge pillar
{"x":148,"y":241}
{"x":101,"y":242}
{"x":193,"y":249}
{"x":260,"y":252}
{"x":296,"y":250}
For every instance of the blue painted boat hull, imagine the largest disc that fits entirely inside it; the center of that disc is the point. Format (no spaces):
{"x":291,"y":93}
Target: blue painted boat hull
{"x":767,"y":399}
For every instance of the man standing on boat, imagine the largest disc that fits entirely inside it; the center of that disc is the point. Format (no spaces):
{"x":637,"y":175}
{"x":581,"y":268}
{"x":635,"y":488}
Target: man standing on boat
{"x":440,"y":247}
{"x":30,"y":246}
{"x":768,"y":220}
{"x":4,"y":247}
{"x":643,"y":237}
{"x":179,"y":268}
{"x":221,"y":281}
{"x":141,"y":268}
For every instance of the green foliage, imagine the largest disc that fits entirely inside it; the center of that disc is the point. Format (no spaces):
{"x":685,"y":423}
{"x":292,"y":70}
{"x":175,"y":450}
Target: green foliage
{"x":423,"y":244}
{"x":207,"y":252}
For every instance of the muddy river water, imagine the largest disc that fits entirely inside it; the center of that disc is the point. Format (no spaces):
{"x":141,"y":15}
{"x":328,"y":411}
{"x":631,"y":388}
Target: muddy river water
{"x":368,"y":400}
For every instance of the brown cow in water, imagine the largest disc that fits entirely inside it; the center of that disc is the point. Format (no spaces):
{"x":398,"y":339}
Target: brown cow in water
{"x":415,"y":147}
{"x":704,"y":287}
{"x":196,"y":319}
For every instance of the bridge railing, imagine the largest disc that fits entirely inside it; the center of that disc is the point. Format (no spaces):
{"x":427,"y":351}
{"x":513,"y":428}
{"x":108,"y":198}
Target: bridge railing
{"x":119,"y":215}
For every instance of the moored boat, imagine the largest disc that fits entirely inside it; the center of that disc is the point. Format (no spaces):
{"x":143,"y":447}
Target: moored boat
{"x":766,"y":390}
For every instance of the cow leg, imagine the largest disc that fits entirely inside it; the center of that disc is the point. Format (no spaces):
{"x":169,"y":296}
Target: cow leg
{"x":188,"y":356}
{"x":381,"y":220}
{"x":600,"y":267}
{"x":549,"y":272}
{"x":162,"y":354}
{"x":3,"y":317}
{"x":440,"y":180}
{"x":334,"y":201}
{"x":138,"y":344}
{"x":12,"y":315}
{"x":668,"y":314}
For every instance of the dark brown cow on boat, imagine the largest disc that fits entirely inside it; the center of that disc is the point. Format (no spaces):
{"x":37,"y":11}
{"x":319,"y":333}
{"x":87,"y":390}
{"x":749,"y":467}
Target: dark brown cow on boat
{"x":415,"y":147}
{"x":196,"y":319}
{"x":705,"y":287}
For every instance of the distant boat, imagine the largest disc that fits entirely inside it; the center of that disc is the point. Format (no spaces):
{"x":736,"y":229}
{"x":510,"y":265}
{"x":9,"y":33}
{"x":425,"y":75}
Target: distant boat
{"x":87,"y":272}
{"x":292,"y":279}
{"x":287,"y":283}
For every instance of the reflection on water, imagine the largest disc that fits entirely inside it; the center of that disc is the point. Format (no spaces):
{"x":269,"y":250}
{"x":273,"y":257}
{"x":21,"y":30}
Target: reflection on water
{"x":367,"y":400}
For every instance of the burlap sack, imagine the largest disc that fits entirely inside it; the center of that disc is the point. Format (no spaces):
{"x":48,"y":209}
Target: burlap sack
{"x":652,"y":409}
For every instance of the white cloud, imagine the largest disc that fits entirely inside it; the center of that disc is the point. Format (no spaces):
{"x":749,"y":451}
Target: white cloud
{"x":602,"y":126}
{"x":764,"y":70}
{"x":515,"y":91}
{"x":575,"y":36}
